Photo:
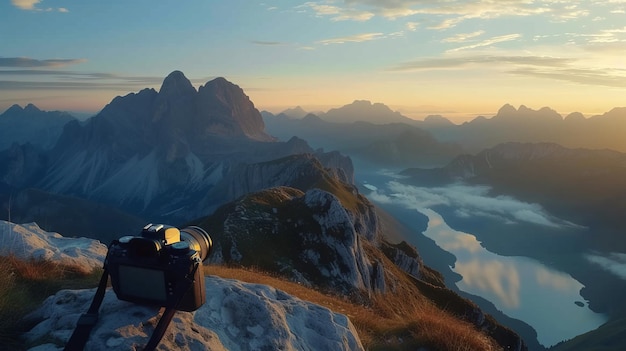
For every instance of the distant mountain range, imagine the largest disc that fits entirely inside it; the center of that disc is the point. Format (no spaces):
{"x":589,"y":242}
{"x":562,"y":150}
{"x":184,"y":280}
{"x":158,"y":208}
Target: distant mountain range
{"x":375,"y":133}
{"x":585,"y":186}
{"x":31,"y":125}
{"x":544,"y":125}
{"x":393,"y":144}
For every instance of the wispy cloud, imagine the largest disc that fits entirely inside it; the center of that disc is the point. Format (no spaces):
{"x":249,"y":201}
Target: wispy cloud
{"x":458,"y":11}
{"x":69,"y":80}
{"x":463,"y":37}
{"x":488,"y":42}
{"x":613,"y":262}
{"x":25,"y":4}
{"x":546,"y":67}
{"x":25,"y":62}
{"x":31,"y":5}
{"x":358,"y":38}
{"x":487,"y":60}
{"x":471,"y":201}
{"x":608,"y":77}
{"x":339,"y":13}
{"x":268,"y":43}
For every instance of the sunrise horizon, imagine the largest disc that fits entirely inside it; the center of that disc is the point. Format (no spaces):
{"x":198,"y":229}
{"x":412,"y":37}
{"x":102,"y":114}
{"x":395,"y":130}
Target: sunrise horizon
{"x":459,"y":60}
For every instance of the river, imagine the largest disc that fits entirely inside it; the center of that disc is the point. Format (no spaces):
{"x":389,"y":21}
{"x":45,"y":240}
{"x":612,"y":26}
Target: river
{"x":523,"y":288}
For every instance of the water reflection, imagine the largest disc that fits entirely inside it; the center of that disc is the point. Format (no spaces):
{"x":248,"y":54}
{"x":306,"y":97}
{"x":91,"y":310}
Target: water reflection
{"x":521,"y":287}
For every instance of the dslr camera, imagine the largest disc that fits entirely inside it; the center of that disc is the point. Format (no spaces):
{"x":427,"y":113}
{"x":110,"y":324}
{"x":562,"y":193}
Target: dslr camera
{"x":162,"y":266}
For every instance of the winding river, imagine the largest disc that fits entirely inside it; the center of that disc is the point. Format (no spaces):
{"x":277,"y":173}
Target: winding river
{"x":521,"y":287}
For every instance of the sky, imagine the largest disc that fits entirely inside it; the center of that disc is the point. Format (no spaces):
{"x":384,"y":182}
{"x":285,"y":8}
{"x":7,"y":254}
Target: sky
{"x":459,"y":59}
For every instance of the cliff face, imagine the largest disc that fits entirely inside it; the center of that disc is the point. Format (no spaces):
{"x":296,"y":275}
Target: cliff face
{"x":309,"y":237}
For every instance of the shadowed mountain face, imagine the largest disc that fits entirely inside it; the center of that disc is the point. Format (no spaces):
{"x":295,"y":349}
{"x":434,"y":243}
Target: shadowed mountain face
{"x":156,"y":155}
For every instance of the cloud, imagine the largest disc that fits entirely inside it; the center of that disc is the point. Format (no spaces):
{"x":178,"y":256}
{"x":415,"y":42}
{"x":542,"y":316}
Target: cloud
{"x":472,"y":201}
{"x":339,"y":13}
{"x":412,"y":26}
{"x":614,"y":78}
{"x":31,"y":5}
{"x":615,"y":262}
{"x":268,"y":43}
{"x":25,"y":4}
{"x":487,"y":60}
{"x":25,"y":62}
{"x":68,"y":80}
{"x":358,"y":38}
{"x":489,"y":42}
{"x":463,"y":37}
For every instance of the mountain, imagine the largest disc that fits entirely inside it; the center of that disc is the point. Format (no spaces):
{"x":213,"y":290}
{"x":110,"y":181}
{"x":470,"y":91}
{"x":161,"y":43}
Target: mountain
{"x":294,"y":113}
{"x":387,"y":145}
{"x":31,"y":125}
{"x":365,"y":111}
{"x":544,"y":125}
{"x":153,"y":154}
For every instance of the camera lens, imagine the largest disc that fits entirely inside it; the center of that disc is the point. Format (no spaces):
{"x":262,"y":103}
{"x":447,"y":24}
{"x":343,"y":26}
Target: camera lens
{"x":198,"y":240}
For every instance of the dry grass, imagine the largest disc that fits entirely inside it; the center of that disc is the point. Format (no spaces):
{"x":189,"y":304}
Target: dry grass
{"x":24,"y":284}
{"x":400,"y":320}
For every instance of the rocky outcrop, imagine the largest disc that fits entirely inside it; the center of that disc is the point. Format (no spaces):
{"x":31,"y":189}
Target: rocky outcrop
{"x":236,"y":316}
{"x":308,"y":237}
{"x":404,"y":256}
{"x":28,"y":241}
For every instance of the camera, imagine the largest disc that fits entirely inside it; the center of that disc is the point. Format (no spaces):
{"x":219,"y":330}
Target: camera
{"x":162,"y":266}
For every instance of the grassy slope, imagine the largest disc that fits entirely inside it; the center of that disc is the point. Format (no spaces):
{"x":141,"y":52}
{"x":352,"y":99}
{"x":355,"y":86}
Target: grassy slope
{"x":402,"y":320}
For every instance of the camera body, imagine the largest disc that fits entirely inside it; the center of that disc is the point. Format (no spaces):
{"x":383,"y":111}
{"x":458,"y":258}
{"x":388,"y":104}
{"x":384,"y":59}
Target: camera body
{"x":162,"y":266}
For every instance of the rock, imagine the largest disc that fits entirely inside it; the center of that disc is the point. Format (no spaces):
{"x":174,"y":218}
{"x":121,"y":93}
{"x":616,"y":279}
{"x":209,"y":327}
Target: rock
{"x":236,"y":316}
{"x":28,"y":241}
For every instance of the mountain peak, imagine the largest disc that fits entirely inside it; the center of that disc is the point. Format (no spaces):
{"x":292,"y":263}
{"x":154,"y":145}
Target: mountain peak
{"x":507,"y":110}
{"x":31,"y":108}
{"x":177,"y":85}
{"x":296,"y":112}
{"x":13,"y":109}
